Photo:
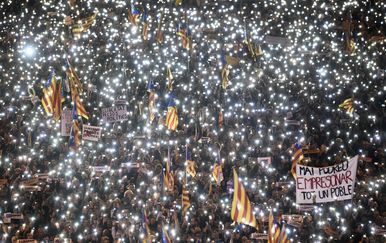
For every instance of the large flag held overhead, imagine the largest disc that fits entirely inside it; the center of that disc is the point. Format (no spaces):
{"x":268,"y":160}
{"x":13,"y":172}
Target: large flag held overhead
{"x":171,"y":121}
{"x":145,"y":26}
{"x":159,"y":35}
{"x":74,"y":135}
{"x":73,"y":80}
{"x":145,"y":225}
{"x":241,"y":206}
{"x":296,"y":158}
{"x":348,"y":104}
{"x":79,"y":108}
{"x":49,"y":93}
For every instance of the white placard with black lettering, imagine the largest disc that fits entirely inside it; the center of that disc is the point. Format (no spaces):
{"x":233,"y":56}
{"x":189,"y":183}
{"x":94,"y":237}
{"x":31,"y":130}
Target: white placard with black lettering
{"x":115,"y":114}
{"x":66,"y":122}
{"x":91,"y":133}
{"x":325,"y":184}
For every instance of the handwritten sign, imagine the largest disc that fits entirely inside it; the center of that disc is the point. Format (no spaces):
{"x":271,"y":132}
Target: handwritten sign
{"x":7,"y":217}
{"x":259,"y":236}
{"x":115,"y":114}
{"x":325,"y":184}
{"x":91,"y":133}
{"x":66,"y":122}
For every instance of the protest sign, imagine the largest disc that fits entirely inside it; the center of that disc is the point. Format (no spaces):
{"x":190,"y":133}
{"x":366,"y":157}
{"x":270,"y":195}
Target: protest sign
{"x":325,"y":184}
{"x":7,"y":217}
{"x":264,"y":160}
{"x":130,"y":165}
{"x":114,"y":114}
{"x":66,"y":122}
{"x":91,"y":133}
{"x":100,"y":169}
{"x":259,"y":236}
{"x":26,"y":241}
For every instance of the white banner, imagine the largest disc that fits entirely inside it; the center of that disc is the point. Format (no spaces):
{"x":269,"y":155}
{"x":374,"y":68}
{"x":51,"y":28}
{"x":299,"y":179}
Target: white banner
{"x":91,"y":133}
{"x":66,"y":122}
{"x":115,"y":113}
{"x":326,"y":184}
{"x":101,"y":168}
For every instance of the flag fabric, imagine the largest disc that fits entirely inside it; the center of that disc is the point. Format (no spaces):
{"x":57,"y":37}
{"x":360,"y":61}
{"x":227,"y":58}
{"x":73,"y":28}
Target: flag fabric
{"x":270,"y":227}
{"x":296,"y":158}
{"x":348,"y":104}
{"x":134,"y":14}
{"x":225,"y":76}
{"x":220,"y":118}
{"x":79,"y":108}
{"x":171,"y":121}
{"x":217,"y":172}
{"x":57,"y":102}
{"x":241,"y":206}
{"x":74,"y":135}
{"x":84,"y":24}
{"x":48,"y":94}
{"x":73,"y":80}
{"x":183,"y":32}
{"x":145,"y":225}
{"x":178,"y":2}
{"x":276,"y":232}
{"x":185,"y":200}
{"x":159,"y":35}
{"x":168,"y":179}
{"x":165,"y":236}
{"x":283,"y":238}
{"x":145,"y":26}
{"x":169,"y":76}
{"x":258,"y":51}
{"x":151,"y":105}
{"x":190,"y":164}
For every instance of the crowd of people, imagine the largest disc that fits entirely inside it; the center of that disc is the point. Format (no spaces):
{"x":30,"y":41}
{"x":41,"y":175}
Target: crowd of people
{"x":274,"y":100}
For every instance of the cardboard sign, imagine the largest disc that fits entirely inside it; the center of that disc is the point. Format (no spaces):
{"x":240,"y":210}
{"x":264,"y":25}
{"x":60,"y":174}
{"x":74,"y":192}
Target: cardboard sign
{"x":325,"y":184}
{"x":295,"y":220}
{"x":91,"y":133}
{"x":115,"y":114}
{"x":66,"y":122}
{"x":259,"y":236}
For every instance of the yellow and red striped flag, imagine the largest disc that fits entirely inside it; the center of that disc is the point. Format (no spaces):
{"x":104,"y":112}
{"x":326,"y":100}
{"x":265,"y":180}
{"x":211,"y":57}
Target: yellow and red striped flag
{"x":225,"y":76}
{"x":159,"y":37}
{"x":297,"y":158}
{"x":57,"y":102}
{"x":348,"y":105}
{"x":270,"y":227}
{"x":168,"y":181}
{"x":283,"y":238}
{"x":74,"y":135}
{"x":241,"y":206}
{"x":185,"y":200}
{"x":49,"y":93}
{"x":134,"y":14}
{"x":171,"y":121}
{"x":217,"y":172}
{"x":84,"y":24}
{"x":183,"y":32}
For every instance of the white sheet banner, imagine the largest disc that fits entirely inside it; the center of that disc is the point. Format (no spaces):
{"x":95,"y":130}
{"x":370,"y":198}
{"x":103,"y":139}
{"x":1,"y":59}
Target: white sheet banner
{"x":326,"y":184}
{"x":115,"y":113}
{"x":91,"y":133}
{"x":66,"y":122}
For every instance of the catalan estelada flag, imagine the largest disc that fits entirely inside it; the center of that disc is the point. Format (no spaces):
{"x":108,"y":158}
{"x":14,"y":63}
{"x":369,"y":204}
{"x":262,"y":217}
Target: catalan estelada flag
{"x":184,"y":33}
{"x":296,"y":158}
{"x":79,"y":108}
{"x":57,"y":102}
{"x":159,"y":37}
{"x":348,"y":104}
{"x":49,"y":93}
{"x":74,"y":135}
{"x":225,"y":76}
{"x":217,"y":172}
{"x":145,"y":225}
{"x":145,"y":25}
{"x":241,"y":206}
{"x":165,"y":236}
{"x":134,"y":14}
{"x":171,"y":121}
{"x":185,"y":200}
{"x":168,"y":178}
{"x":190,"y":164}
{"x":84,"y":24}
{"x":283,"y":238}
{"x":73,"y":80}
{"x":270,"y":227}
